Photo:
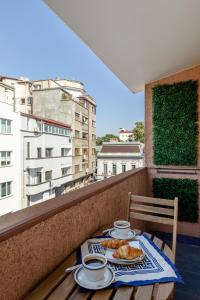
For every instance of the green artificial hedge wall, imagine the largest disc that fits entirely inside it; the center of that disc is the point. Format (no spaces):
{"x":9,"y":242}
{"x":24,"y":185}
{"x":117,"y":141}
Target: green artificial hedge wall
{"x":187,"y":192}
{"x":175,"y":123}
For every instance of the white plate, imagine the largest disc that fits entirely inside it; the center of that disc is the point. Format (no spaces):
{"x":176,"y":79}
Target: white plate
{"x":82,"y":280}
{"x":109,"y":255}
{"x":131,"y":234}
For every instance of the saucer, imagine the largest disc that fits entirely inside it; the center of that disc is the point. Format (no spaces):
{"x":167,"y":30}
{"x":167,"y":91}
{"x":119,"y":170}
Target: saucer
{"x":82,"y":280}
{"x":131,"y":234}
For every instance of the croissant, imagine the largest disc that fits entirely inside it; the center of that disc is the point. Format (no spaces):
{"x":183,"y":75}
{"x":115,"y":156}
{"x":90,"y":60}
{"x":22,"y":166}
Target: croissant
{"x":114,"y":244}
{"x":127,"y":252}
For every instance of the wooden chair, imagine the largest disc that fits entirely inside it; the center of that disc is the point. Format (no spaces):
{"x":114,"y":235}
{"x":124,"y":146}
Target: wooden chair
{"x":156,"y":210}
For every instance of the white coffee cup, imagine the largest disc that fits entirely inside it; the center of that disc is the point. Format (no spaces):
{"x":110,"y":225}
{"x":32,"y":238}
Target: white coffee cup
{"x":122,"y":228}
{"x":94,"y":266}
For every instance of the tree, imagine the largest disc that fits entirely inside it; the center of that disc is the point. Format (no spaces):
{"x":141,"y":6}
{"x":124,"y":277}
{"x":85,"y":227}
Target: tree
{"x":106,"y":138}
{"x":138,"y":131}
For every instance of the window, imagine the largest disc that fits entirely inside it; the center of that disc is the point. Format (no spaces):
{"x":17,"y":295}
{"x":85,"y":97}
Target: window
{"x":77,"y":116}
{"x":37,"y":86}
{"x":87,"y":104}
{"x":77,"y":134}
{"x":30,"y":100}
{"x":77,"y":151}
{"x":133,"y":166}
{"x":57,"y":130}
{"x":5,"y":126}
{"x":93,"y":137}
{"x":114,"y":169}
{"x":123,"y":168}
{"x":5,"y":158}
{"x":5,"y":189}
{"x":64,"y":151}
{"x":22,"y":100}
{"x":53,"y":129}
{"x":68,"y":132}
{"x":39,"y":124}
{"x":39,"y":152}
{"x":93,"y":123}
{"x":28,"y":149}
{"x":45,"y":127}
{"x":48,"y":175}
{"x":94,"y":109}
{"x":85,"y":120}
{"x":84,"y":135}
{"x":105,"y":169}
{"x":77,"y":169}
{"x":93,"y":151}
{"x":38,"y":177}
{"x":48,"y":152}
{"x":85,"y":151}
{"x":65,"y":171}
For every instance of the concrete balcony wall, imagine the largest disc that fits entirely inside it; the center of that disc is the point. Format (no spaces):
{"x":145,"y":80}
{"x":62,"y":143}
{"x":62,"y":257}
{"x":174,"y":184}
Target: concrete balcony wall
{"x":62,"y":180}
{"x":35,"y":240}
{"x":48,"y":162}
{"x":37,"y":188}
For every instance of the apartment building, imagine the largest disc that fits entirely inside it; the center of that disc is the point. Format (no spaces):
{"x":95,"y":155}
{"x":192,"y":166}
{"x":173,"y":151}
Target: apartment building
{"x":118,"y":157}
{"x":22,"y":92}
{"x":10,"y":165}
{"x":35,"y":153}
{"x":77,"y":109}
{"x":46,"y":157}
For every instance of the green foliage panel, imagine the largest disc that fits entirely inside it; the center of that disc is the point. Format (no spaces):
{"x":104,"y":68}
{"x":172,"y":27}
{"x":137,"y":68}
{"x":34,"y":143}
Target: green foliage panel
{"x":187,"y":192}
{"x":175,"y":123}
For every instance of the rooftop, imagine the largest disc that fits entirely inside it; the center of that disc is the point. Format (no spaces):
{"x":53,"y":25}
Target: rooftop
{"x":120,"y":148}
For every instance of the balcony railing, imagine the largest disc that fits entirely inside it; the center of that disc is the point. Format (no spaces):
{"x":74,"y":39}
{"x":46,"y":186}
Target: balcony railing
{"x":33,"y":241}
{"x":32,"y":189}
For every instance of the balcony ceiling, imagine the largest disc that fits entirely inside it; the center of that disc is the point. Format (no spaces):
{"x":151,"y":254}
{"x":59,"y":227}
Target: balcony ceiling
{"x":140,"y":41}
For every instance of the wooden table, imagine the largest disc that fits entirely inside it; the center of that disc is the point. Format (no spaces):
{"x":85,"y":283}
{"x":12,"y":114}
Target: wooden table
{"x":61,"y":286}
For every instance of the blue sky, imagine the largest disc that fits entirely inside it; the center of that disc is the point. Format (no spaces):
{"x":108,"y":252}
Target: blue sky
{"x":35,"y":43}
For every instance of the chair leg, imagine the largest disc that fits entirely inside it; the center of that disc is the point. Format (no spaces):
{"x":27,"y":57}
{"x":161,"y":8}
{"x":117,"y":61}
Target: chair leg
{"x":171,"y":297}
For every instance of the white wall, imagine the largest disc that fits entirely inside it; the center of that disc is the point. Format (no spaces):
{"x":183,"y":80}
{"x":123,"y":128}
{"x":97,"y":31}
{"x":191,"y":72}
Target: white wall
{"x":40,"y":192}
{"x":129,"y":162}
{"x":22,"y":90}
{"x":125,"y":136}
{"x":6,"y":95}
{"x":11,"y":142}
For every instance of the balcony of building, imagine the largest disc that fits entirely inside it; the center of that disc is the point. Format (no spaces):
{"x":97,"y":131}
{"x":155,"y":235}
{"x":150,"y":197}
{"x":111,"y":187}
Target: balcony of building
{"x":39,"y":187}
{"x":44,"y":162}
{"x":35,"y":240}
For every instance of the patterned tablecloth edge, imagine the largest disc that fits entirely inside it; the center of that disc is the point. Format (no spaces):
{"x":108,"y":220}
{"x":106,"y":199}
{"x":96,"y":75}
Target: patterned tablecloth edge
{"x":179,"y":278}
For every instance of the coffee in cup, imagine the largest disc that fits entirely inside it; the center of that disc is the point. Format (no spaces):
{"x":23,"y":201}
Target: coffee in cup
{"x":94,"y":266}
{"x":122,"y":228}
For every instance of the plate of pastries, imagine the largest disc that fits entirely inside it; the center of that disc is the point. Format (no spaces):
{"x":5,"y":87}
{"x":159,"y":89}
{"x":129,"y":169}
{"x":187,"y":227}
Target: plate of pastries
{"x":123,"y":251}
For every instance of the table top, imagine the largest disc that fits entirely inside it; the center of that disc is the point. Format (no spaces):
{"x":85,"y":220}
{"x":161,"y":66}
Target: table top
{"x":59,"y":285}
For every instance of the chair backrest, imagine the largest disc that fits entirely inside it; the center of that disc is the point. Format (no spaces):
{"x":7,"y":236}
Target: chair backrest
{"x":155,"y":210}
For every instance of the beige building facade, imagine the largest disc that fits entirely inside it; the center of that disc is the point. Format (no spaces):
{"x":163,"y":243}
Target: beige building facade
{"x":22,"y":92}
{"x":78,"y":110}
